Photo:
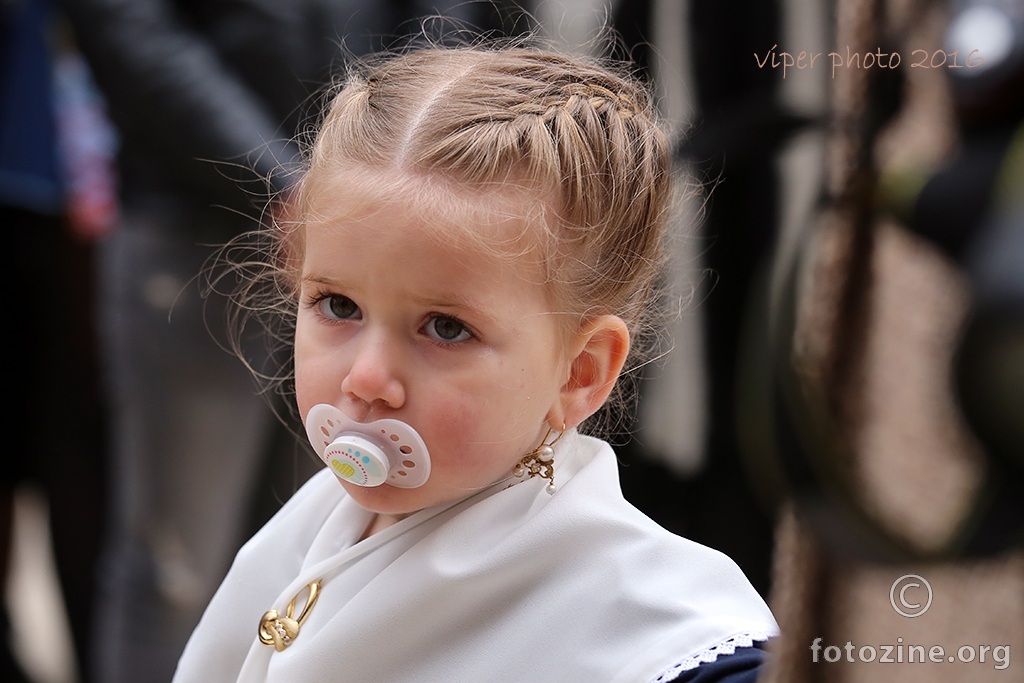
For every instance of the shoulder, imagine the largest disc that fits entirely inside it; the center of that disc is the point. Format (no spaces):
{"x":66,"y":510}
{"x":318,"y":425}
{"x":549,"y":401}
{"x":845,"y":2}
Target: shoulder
{"x":718,"y":618}
{"x":592,"y":499}
{"x":678,"y":602}
{"x":314,"y":499}
{"x":292,"y":531}
{"x":220,"y":642}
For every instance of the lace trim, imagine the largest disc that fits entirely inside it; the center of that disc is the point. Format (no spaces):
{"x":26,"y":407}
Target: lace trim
{"x":708,"y":655}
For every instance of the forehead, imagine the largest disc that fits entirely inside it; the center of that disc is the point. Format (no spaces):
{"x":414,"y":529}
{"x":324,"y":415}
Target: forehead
{"x":386,"y":225}
{"x":505,"y":222}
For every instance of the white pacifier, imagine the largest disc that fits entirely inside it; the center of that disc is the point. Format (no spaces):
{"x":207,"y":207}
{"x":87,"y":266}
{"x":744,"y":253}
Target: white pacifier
{"x":370,"y":454}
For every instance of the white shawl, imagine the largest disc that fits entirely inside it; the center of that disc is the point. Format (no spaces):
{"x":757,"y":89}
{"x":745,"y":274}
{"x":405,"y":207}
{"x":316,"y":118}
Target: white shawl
{"x":509,"y":584}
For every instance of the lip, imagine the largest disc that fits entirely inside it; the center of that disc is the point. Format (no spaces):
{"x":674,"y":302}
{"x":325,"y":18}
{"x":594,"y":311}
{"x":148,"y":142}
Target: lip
{"x":359,"y":411}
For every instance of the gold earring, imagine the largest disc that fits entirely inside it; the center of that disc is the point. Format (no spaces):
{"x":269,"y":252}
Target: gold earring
{"x":540,"y":461}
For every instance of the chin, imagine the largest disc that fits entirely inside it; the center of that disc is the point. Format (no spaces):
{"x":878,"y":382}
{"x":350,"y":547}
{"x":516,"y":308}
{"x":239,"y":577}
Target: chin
{"x":386,"y":499}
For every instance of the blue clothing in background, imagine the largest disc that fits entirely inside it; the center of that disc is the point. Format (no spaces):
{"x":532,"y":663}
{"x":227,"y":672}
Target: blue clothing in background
{"x":30,"y":176}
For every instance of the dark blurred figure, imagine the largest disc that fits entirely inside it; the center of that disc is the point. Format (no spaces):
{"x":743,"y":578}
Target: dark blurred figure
{"x":733,"y":145}
{"x":973,"y":208}
{"x":953,"y":206}
{"x":207,"y":95}
{"x":55,"y":433}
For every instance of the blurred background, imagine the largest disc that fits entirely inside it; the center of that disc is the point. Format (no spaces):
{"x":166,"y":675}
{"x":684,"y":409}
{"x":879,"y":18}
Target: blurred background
{"x":839,"y":400}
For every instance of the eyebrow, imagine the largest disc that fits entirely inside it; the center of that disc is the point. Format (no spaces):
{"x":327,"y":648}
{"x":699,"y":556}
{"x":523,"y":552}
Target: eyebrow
{"x":319,"y":279}
{"x":443,"y":301}
{"x":454,"y":302}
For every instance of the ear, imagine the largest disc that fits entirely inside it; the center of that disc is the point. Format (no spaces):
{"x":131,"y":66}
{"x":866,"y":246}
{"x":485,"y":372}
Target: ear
{"x":598,"y":353}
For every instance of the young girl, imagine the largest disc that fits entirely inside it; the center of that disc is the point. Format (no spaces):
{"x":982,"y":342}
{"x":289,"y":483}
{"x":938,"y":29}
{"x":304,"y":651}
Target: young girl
{"x":478,"y":233}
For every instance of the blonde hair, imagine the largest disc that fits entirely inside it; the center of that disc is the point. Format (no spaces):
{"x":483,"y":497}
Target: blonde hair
{"x":582,"y":134}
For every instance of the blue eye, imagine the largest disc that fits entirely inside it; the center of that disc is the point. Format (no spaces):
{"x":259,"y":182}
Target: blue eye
{"x":338,"y":307}
{"x":447,"y":330}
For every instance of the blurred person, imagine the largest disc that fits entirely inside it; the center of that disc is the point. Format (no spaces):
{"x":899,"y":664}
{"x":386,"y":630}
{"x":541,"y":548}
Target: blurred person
{"x":207,"y":97}
{"x":733,"y":147}
{"x":56,"y":193}
{"x":972,"y":207}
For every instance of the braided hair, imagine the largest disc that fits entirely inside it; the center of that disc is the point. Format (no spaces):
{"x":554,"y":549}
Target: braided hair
{"x":577,"y":134}
{"x":580,"y":132}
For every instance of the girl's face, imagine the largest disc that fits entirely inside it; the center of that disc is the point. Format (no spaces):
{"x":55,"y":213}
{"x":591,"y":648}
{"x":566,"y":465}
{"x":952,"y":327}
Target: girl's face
{"x":458,"y":343}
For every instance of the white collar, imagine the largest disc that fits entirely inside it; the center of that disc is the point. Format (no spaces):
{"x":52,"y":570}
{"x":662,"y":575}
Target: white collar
{"x":506,"y":584}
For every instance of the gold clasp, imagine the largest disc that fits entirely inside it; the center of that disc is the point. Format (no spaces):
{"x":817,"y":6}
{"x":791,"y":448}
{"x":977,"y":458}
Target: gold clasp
{"x":279,"y":632}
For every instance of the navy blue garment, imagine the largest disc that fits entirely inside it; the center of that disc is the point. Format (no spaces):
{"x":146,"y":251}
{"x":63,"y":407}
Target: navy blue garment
{"x":742,"y":666}
{"x":29,"y":171}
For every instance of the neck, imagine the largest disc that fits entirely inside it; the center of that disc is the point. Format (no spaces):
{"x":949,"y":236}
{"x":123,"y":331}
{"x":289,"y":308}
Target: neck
{"x":381,"y":522}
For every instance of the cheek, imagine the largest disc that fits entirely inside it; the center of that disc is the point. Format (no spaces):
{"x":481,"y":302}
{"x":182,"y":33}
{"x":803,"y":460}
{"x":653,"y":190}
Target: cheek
{"x":452,"y":418}
{"x":304,"y":393}
{"x":315,"y":378}
{"x":302,"y":378}
{"x":466,"y":432}
{"x":480,"y":434}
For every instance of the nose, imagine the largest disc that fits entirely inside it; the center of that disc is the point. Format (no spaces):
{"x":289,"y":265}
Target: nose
{"x":373,"y":377}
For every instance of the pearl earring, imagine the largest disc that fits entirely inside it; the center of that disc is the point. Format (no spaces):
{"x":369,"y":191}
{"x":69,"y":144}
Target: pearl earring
{"x":540,"y":461}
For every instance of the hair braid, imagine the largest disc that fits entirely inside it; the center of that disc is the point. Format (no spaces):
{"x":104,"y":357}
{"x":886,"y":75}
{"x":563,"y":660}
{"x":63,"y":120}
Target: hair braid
{"x":584,"y":135}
